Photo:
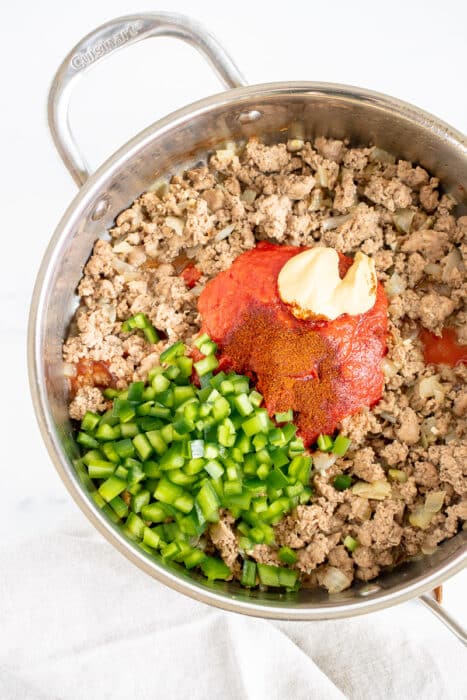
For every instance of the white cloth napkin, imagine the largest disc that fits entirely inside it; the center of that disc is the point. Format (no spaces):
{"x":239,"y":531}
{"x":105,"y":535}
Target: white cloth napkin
{"x":78,"y":621}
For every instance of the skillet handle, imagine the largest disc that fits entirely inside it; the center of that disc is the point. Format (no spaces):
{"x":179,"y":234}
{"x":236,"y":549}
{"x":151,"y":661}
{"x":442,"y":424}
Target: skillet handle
{"x":452,"y":624}
{"x":104,"y":41}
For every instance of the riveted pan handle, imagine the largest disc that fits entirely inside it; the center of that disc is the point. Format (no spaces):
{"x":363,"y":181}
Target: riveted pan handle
{"x":104,"y":41}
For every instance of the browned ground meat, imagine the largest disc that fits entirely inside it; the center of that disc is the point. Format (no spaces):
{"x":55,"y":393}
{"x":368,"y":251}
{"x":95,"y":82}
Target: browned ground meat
{"x":302,"y":194}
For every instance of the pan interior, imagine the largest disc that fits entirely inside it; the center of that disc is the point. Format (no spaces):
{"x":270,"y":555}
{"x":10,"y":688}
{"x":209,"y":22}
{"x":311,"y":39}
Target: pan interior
{"x":274,"y":112}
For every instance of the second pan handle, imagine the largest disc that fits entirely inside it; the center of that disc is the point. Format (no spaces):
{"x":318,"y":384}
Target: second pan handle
{"x":104,"y":41}
{"x":452,"y":624}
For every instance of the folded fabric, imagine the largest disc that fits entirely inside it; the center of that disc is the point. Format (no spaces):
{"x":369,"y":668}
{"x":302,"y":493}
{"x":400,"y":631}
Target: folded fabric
{"x":78,"y":621}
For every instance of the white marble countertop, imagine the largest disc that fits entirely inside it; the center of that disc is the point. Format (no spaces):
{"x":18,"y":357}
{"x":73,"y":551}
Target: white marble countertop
{"x":415,"y":51}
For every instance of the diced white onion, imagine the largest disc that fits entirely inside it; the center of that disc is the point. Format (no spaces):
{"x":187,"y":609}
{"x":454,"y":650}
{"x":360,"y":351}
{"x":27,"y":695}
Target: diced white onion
{"x":175,"y":209}
{"x":335,"y":221}
{"x":434,"y":501}
{"x":192,"y":252}
{"x":428,"y":550}
{"x":224,"y":233}
{"x":294,"y":145}
{"x":428,"y":436}
{"x":322,"y":176}
{"x":131,"y":276}
{"x":159,"y":186}
{"x":381,"y":155}
{"x":175,"y":224}
{"x":389,"y":368}
{"x":224,"y":155}
{"x":432,"y":269}
{"x":335,"y":580}
{"x":411,"y":334}
{"x":112,"y":312}
{"x":430,"y":387}
{"x":316,"y":199}
{"x":187,"y":204}
{"x":403,"y":219}
{"x":228,"y":151}
{"x":395,"y":285}
{"x":378,"y":490}
{"x":197,"y":289}
{"x":231,"y":146}
{"x":108,"y":310}
{"x":398,"y":475}
{"x":388,"y":416}
{"x":422,"y":516}
{"x":122,"y":247}
{"x":452,"y":261}
{"x":122,"y":267}
{"x":248,"y":196}
{"x":323,"y":460}
{"x":69,"y":370}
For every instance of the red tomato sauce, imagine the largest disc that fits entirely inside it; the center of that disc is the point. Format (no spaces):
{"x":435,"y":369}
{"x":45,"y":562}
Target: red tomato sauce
{"x":190,"y":275}
{"x":444,"y":349}
{"x":323,"y":370}
{"x":91,"y":373}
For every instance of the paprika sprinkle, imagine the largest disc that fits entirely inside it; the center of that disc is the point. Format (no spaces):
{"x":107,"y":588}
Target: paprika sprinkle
{"x":323,"y":370}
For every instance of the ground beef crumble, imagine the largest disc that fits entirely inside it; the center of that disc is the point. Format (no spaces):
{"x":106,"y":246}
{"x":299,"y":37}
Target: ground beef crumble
{"x":303,"y":193}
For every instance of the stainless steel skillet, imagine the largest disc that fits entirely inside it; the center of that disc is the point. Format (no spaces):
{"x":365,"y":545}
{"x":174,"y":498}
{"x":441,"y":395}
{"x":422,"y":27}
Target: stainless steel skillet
{"x":271,"y":110}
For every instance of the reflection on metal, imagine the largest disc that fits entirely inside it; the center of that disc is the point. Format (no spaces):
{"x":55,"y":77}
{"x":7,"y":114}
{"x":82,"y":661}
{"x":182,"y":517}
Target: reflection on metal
{"x":100,"y":209}
{"x":251,"y":116}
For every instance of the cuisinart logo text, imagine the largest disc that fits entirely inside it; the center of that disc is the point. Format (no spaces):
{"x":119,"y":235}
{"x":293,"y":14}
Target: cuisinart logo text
{"x":85,"y":58}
